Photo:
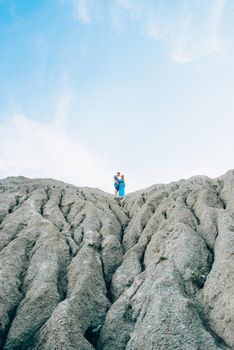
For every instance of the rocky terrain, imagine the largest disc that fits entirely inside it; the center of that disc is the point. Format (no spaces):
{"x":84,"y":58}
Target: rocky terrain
{"x":80,"y":270}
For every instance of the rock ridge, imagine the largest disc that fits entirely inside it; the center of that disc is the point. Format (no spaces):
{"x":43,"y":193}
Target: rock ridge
{"x":80,"y":270}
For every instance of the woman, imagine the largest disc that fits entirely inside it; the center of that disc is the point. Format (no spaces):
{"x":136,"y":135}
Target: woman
{"x":122,"y":187}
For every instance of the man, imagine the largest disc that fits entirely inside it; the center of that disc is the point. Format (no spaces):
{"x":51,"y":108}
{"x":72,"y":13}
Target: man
{"x":116,"y":183}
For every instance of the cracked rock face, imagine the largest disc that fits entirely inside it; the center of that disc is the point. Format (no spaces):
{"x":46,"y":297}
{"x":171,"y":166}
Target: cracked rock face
{"x":79,"y":270}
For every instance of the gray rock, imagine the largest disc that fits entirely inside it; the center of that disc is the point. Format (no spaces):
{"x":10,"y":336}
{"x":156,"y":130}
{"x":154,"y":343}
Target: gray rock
{"x":79,"y":270}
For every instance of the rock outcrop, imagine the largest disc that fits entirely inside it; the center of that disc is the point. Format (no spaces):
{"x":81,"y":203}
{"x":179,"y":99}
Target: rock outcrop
{"x":80,"y":270}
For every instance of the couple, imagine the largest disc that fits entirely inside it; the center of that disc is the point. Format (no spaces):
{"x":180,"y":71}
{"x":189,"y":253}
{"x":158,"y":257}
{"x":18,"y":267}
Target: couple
{"x":119,"y":185}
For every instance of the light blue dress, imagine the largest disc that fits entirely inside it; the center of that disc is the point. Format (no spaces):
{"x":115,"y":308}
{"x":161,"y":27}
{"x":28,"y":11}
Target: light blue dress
{"x":121,"y":188}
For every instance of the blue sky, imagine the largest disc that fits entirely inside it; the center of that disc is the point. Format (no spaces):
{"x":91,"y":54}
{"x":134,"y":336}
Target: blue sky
{"x":90,"y":87}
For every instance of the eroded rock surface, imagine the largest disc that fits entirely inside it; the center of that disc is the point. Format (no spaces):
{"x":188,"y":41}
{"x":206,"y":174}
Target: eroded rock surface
{"x":79,"y":270}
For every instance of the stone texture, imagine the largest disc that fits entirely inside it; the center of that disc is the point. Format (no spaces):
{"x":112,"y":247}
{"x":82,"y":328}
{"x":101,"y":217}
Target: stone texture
{"x":80,"y":270}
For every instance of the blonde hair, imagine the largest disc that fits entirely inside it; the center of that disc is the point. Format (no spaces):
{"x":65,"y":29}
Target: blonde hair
{"x":122,"y":177}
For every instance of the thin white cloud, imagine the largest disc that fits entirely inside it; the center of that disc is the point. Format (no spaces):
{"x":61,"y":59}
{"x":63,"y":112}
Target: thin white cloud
{"x":190,"y":29}
{"x":134,"y":8}
{"x":11,"y":8}
{"x":194,"y":35}
{"x":216,"y":15}
{"x":153,"y":29}
{"x":82,"y":10}
{"x":123,"y":10}
{"x":63,"y":109}
{"x":37,"y":149}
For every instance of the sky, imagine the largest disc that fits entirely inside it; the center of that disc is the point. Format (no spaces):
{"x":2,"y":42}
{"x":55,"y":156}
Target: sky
{"x":91,"y":87}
